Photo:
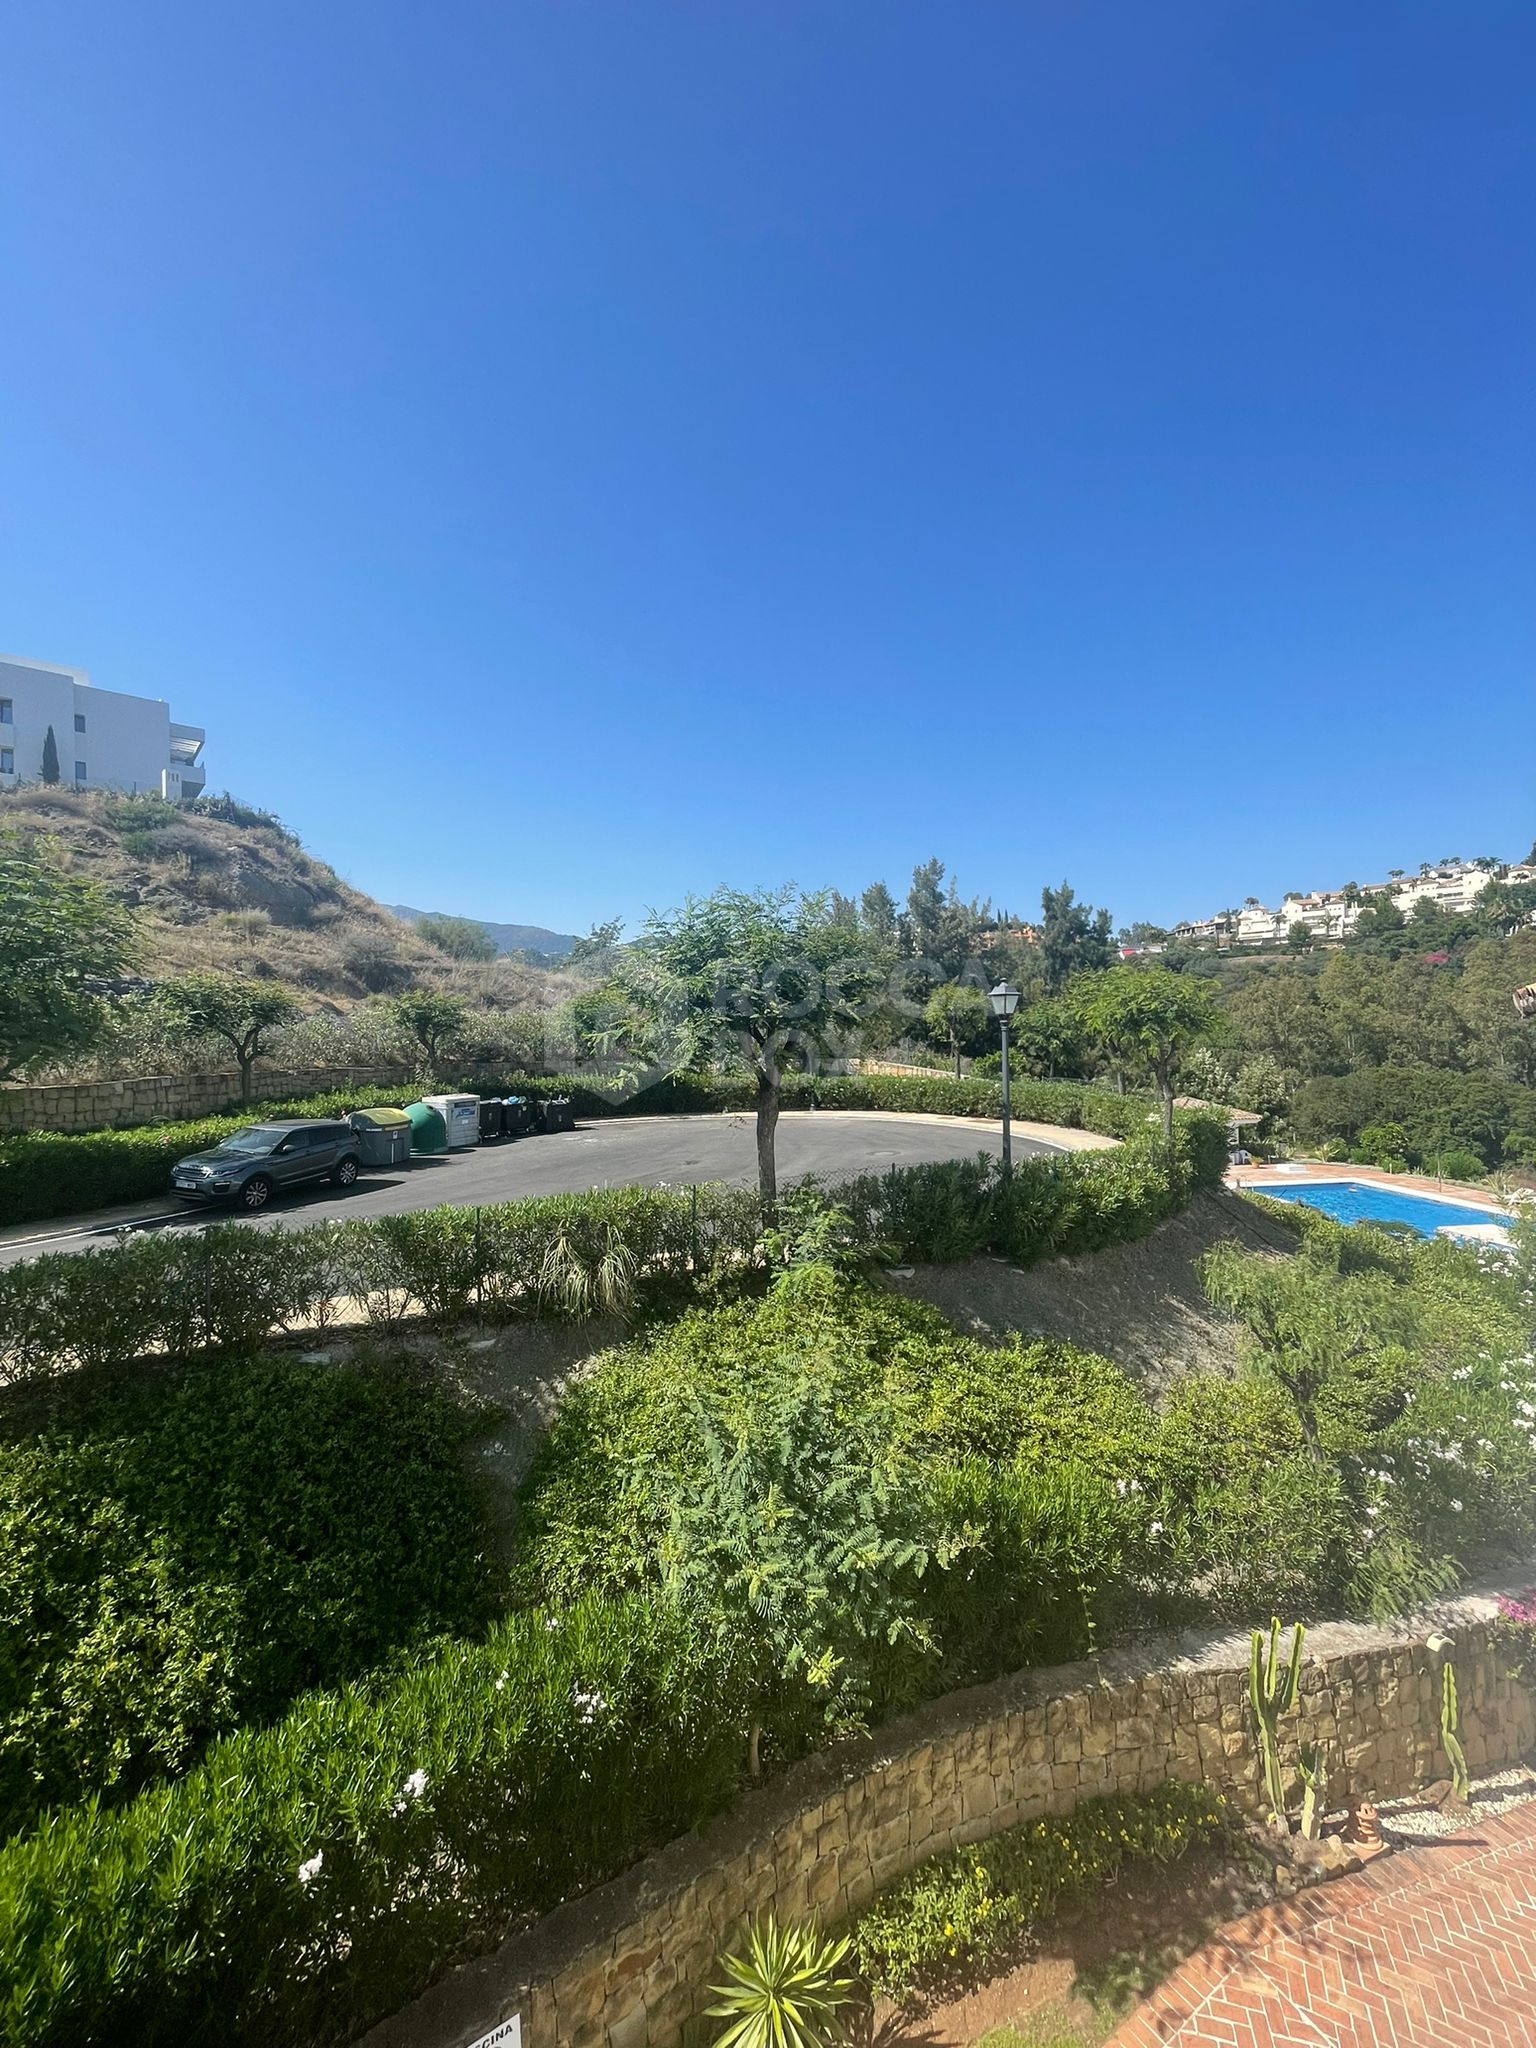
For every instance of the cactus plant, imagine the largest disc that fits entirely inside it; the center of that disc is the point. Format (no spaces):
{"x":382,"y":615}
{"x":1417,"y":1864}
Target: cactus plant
{"x":1313,"y":1766}
{"x":1450,"y":1721}
{"x":1273,"y":1693}
{"x":1450,"y":1718}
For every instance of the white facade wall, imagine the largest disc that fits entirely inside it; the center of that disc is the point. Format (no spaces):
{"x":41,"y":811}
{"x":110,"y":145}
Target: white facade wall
{"x":126,"y":742}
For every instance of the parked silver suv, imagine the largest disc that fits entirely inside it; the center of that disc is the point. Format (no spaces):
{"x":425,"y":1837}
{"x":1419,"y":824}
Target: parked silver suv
{"x":251,"y":1166}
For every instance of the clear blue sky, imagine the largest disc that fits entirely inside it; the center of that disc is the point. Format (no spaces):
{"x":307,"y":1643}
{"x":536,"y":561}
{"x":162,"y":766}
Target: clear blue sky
{"x":572,"y":453}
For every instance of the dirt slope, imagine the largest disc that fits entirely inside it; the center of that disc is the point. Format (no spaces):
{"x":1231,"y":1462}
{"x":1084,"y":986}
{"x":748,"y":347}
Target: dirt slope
{"x":225,"y":887}
{"x":1140,"y":1304}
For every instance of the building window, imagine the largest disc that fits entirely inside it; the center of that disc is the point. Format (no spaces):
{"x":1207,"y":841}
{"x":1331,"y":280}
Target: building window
{"x":79,"y":771}
{"x":7,"y":761}
{"x":79,"y":721}
{"x":5,"y":712}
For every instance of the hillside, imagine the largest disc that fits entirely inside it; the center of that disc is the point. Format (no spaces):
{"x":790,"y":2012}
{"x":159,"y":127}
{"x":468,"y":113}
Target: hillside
{"x":221,"y":886}
{"x":506,"y":938}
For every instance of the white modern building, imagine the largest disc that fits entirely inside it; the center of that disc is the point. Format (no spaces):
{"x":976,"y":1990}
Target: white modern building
{"x":103,"y":739}
{"x":1452,"y":886}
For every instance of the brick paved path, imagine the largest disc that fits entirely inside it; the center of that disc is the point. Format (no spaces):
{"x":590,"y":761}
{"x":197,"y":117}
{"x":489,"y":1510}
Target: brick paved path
{"x":1429,"y":1948}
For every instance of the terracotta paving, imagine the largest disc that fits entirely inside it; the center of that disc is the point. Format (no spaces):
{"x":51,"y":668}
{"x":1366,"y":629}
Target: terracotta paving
{"x":1429,"y":1948}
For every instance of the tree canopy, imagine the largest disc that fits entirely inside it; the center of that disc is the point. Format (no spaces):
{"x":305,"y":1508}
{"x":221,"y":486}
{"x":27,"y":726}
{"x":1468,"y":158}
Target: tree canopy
{"x":223,"y":1006}
{"x":768,"y":980}
{"x":431,"y":1020}
{"x":1074,"y":937}
{"x":1150,"y":1013}
{"x":59,"y":935}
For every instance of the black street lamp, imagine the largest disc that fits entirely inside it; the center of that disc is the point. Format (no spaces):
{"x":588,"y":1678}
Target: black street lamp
{"x":1005,"y":1001}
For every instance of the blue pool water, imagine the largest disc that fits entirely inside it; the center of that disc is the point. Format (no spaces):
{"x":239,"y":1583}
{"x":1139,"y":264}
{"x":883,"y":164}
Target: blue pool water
{"x":1355,"y":1201}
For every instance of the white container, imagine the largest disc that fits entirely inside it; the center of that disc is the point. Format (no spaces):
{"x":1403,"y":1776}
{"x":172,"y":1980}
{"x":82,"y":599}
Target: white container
{"x":461,"y":1114}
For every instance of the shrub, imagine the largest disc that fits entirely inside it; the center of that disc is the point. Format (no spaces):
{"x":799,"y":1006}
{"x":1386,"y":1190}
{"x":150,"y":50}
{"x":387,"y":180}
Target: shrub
{"x":179,"y":1557}
{"x":784,"y":1990}
{"x":961,"y":1910}
{"x":1456,"y":1165}
{"x":1021,"y":1464}
{"x":229,"y":1286}
{"x":307,"y":1879}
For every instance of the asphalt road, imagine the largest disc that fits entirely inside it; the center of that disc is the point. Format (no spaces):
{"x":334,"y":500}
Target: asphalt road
{"x":648,"y":1151}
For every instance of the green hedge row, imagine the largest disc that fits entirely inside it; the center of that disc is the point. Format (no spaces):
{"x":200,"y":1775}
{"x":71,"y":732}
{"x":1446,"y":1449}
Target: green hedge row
{"x":308,"y":1878}
{"x":232,"y":1287}
{"x":57,"y":1173}
{"x":52,"y":1173}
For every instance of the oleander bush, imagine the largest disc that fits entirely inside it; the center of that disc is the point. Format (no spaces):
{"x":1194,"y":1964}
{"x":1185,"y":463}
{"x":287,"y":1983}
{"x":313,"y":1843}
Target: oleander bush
{"x":52,"y":1173}
{"x":960,"y":1912}
{"x":305,"y":1879}
{"x":181,"y":1554}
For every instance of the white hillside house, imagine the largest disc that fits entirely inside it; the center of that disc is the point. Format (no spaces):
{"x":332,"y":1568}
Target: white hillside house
{"x":1452,"y":886}
{"x":103,"y":738}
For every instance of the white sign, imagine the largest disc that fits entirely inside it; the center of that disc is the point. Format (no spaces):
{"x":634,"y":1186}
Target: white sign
{"x":508,"y":2035}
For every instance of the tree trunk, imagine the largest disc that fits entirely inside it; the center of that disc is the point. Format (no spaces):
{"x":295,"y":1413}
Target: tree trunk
{"x":247,"y":1061}
{"x":767,"y":1121}
{"x":955,"y":1044}
{"x":1165,"y":1097}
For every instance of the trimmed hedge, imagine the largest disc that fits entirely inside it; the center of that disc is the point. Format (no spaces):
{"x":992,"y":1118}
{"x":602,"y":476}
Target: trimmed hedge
{"x":229,"y":1287}
{"x":54,"y":1173}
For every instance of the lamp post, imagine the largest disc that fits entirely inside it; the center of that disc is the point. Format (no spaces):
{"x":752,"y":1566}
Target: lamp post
{"x":1005,"y":1001}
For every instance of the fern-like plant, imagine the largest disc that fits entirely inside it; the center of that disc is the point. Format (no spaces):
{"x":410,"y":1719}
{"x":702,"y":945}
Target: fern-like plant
{"x":784,"y":1990}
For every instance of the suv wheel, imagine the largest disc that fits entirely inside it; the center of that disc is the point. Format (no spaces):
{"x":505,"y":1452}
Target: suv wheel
{"x":256,"y":1193}
{"x":346,"y":1173}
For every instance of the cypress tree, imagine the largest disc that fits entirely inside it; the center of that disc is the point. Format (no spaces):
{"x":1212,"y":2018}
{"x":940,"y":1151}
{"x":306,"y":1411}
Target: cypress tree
{"x":50,"y":757}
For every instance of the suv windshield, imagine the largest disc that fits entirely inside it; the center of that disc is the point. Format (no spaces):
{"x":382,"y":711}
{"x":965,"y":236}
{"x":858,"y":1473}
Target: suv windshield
{"x":259,"y":1138}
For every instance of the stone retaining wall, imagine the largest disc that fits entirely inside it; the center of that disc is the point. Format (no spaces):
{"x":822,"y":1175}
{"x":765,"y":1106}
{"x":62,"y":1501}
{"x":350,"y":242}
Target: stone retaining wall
{"x":168,"y":1098}
{"x":628,"y":1965}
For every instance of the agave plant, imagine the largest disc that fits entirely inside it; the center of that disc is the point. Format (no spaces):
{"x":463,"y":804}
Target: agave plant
{"x":784,"y":1990}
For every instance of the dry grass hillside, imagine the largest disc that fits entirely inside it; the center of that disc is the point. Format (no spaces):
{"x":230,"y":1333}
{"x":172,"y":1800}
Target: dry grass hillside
{"x":226,"y":888}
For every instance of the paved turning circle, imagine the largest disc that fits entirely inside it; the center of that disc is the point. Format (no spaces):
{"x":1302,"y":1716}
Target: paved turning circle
{"x":1427,"y":1948}
{"x":643,"y":1151}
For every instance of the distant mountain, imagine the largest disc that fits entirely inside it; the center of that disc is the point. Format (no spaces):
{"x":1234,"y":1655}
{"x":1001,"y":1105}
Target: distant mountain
{"x":507,"y":938}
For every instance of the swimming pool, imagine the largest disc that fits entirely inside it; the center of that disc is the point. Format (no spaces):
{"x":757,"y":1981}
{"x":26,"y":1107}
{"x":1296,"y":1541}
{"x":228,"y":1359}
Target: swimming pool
{"x":1359,"y":1201}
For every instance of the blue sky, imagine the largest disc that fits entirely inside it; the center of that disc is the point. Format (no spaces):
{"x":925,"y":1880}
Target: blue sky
{"x":572,"y":453}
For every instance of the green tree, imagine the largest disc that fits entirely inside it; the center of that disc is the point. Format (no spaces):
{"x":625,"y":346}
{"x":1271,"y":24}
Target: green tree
{"x":958,"y":1015}
{"x":877,"y":915}
{"x":59,"y":935}
{"x":459,"y":937}
{"x":1049,"y":1039}
{"x":431,"y":1020}
{"x":765,"y":980}
{"x":1152,"y":1014}
{"x":224,"y":1006}
{"x":1074,"y":937}
{"x":1299,"y":937}
{"x":50,"y":757}
{"x":598,"y":947}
